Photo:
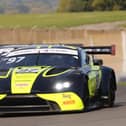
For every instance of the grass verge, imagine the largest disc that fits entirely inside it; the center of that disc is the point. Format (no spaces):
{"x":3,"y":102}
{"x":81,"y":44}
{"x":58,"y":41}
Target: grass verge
{"x":59,"y":20}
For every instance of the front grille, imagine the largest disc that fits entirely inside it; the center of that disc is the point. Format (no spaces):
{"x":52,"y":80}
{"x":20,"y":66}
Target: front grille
{"x":26,"y":103}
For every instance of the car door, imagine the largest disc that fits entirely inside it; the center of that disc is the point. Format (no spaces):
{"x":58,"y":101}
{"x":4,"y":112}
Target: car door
{"x":94,"y":76}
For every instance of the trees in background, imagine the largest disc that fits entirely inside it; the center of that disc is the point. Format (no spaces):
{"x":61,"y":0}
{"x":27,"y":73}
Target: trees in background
{"x":23,"y":8}
{"x":91,"y":5}
{"x":70,"y":5}
{"x":27,"y":6}
{"x":2,"y":10}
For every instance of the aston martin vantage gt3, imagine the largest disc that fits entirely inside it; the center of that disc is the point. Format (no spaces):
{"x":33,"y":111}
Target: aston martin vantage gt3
{"x":55,"y":78}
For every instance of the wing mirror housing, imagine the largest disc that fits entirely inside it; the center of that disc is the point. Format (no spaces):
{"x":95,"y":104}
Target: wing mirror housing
{"x":98,"y":62}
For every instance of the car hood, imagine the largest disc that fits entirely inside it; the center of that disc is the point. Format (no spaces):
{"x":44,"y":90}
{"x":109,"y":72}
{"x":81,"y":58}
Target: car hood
{"x":25,"y":80}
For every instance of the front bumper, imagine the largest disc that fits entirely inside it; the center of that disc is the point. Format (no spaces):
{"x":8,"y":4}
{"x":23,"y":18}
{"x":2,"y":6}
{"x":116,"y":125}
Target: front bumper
{"x":52,"y":102}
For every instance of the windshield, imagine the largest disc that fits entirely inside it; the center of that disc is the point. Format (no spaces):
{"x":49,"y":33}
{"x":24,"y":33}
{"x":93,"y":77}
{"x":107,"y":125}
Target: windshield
{"x":59,"y":60}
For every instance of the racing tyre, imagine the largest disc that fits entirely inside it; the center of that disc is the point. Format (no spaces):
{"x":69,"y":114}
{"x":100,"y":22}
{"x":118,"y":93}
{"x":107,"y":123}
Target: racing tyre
{"x":108,"y":88}
{"x":111,"y":95}
{"x":85,"y":94}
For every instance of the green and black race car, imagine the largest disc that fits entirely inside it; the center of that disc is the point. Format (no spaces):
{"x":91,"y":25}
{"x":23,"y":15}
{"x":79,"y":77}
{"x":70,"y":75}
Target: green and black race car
{"x":55,"y":78}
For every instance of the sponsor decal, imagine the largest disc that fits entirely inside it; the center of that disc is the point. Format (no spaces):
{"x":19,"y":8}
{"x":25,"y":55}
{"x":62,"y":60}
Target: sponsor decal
{"x":21,"y":52}
{"x":67,"y":96}
{"x":46,"y":50}
{"x":59,"y":51}
{"x":69,"y":102}
{"x":28,"y":70}
{"x":21,"y":85}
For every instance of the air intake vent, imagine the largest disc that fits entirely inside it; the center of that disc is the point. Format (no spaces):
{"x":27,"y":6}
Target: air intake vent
{"x":56,"y":71}
{"x":3,"y":72}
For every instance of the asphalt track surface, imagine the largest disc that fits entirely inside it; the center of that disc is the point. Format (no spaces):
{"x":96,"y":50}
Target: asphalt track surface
{"x":115,"y":116}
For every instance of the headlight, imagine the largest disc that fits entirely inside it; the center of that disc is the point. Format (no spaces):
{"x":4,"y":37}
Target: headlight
{"x":62,"y":85}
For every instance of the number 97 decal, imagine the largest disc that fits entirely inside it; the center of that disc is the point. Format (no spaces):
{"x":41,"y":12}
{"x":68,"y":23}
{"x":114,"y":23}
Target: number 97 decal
{"x":15,"y":60}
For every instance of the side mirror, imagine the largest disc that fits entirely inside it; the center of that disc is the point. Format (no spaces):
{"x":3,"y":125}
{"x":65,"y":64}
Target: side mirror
{"x":98,"y":62}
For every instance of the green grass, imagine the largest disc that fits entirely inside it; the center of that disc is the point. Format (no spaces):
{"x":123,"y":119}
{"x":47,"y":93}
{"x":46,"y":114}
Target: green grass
{"x":60,"y":20}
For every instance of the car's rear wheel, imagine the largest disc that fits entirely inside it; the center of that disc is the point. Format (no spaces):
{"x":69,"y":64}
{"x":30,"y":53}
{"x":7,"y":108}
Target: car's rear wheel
{"x":111,"y":93}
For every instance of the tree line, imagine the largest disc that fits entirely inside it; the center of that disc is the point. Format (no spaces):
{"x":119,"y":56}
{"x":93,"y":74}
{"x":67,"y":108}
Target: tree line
{"x":91,"y":5}
{"x":27,"y":6}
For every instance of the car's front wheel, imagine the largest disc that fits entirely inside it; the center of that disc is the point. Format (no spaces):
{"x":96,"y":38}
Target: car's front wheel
{"x":108,"y":87}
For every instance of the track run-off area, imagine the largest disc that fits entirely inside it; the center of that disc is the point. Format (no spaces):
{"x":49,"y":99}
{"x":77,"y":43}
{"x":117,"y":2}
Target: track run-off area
{"x":99,"y":117}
